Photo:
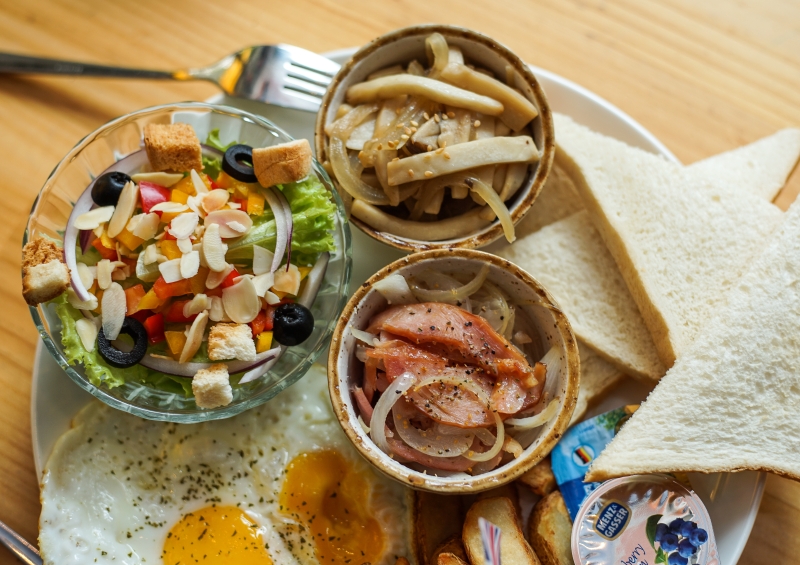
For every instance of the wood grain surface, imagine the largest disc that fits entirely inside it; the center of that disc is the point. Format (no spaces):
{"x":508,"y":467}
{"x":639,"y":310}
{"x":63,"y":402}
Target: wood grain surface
{"x":703,"y":76}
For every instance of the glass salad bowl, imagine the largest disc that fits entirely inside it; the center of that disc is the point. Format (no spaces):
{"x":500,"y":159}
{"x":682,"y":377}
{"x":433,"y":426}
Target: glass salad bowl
{"x":168,"y":398}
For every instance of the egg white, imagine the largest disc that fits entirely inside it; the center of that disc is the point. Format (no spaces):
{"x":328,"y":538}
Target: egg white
{"x":115,"y":484}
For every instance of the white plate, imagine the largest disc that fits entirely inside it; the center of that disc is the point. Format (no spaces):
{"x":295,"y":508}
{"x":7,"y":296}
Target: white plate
{"x":732,"y":499}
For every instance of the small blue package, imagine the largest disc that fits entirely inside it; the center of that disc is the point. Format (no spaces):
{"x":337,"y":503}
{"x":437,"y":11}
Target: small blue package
{"x":576,"y":450}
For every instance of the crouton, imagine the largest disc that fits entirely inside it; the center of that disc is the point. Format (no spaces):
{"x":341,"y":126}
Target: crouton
{"x":44,"y":274}
{"x":279,"y":164}
{"x":172,"y":147}
{"x":211,"y":387}
{"x":551,"y":530}
{"x":540,"y":478}
{"x":231,"y":341}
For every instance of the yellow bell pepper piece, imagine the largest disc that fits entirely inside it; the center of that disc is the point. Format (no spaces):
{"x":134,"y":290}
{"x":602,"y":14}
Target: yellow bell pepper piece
{"x":167,"y":217}
{"x":175,"y":342}
{"x":263,"y":342}
{"x":150,"y":301}
{"x":129,"y":240}
{"x":178,"y":195}
{"x":184,"y":185}
{"x":107,"y":241}
{"x":198,"y":281}
{"x":240,"y":189}
{"x":169,"y":248}
{"x":304,"y":272}
{"x":255,"y":204}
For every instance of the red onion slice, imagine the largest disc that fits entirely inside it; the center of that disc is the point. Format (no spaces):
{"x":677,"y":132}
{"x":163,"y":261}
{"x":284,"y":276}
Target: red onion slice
{"x":281,"y":227}
{"x":258,"y":372}
{"x":172,"y":367}
{"x":314,"y":280}
{"x":287,"y":212}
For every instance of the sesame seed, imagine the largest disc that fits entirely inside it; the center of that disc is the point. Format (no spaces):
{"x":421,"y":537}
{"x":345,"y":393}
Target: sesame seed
{"x":413,"y":130}
{"x":444,"y":116}
{"x":396,"y":159}
{"x":414,"y":123}
{"x":391,"y":144}
{"x":411,"y":173}
{"x":404,"y":137}
{"x":429,"y":148}
{"x":428,"y":174}
{"x":436,"y":118}
{"x":446,"y":155}
{"x":439,"y":150}
{"x":426,"y":116}
{"x":380,"y":146}
{"x":444,"y":144}
{"x":408,"y":131}
{"x":477,"y":123}
{"x":451,"y":114}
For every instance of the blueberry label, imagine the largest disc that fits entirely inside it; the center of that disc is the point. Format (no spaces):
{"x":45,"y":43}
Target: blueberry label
{"x":612,"y":519}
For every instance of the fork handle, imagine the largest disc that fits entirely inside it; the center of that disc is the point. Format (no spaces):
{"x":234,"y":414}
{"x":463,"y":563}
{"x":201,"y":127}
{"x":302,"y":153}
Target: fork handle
{"x":21,"y":64}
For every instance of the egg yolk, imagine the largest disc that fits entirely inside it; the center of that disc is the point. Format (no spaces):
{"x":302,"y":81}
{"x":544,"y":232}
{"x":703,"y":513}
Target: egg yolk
{"x":215,"y":535}
{"x":329,"y":498}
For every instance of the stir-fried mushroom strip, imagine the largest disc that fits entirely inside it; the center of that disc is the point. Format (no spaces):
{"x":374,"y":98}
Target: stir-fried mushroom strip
{"x":451,"y":381}
{"x":412,"y":144}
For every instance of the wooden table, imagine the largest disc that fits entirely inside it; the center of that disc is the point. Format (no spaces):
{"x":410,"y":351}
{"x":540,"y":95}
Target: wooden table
{"x":703,"y":76}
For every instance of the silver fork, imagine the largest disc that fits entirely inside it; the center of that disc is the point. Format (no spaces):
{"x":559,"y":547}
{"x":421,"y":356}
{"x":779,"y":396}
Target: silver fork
{"x":283,"y":75}
{"x":17,"y":545}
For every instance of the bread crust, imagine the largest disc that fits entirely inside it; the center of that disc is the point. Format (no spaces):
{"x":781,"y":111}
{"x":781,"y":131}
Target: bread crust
{"x":172,"y":147}
{"x":281,"y":164}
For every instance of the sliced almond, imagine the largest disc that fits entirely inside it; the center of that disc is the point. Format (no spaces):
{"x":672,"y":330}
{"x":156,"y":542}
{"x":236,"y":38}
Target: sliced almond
{"x":195,"y":204}
{"x":162,"y":179}
{"x":234,"y":205}
{"x":114,"y":307}
{"x":199,"y":248}
{"x":196,"y":305}
{"x":104,"y":270}
{"x":213,"y":248}
{"x":133,"y":222}
{"x":241,"y":301}
{"x":185,"y":245}
{"x":195,"y":337}
{"x":169,"y":207}
{"x":271,"y":298}
{"x":126,"y":205}
{"x":151,"y":254}
{"x":262,"y":260}
{"x":87,"y":331}
{"x":237,"y":227}
{"x":99,"y":230}
{"x":287,"y":280}
{"x":215,"y":278}
{"x":215,"y":199}
{"x":199,"y":186}
{"x":224,"y":217}
{"x":190,"y":264}
{"x":182,"y":226}
{"x":94,"y":218}
{"x":171,"y":270}
{"x":86,"y":275}
{"x":76,"y":302}
{"x":263,"y":283}
{"x":216,"y":311}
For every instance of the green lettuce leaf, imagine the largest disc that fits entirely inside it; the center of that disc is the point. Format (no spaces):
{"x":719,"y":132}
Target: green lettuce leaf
{"x":213,"y":166}
{"x":313,"y":214}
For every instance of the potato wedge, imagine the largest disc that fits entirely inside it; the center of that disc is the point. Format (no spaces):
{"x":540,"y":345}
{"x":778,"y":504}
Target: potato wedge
{"x":540,"y":478}
{"x":508,"y":491}
{"x":500,"y":512}
{"x":450,"y":559}
{"x":452,"y":545}
{"x":551,"y":530}
{"x":437,"y":518}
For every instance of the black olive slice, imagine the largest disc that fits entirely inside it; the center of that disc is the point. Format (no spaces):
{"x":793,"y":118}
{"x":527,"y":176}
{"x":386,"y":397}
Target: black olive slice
{"x":122,"y":359}
{"x":293,"y":324}
{"x":107,"y":188}
{"x":238,"y":163}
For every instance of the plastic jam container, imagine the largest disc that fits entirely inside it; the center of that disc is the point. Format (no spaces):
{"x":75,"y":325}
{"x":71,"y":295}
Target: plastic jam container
{"x":643,"y":520}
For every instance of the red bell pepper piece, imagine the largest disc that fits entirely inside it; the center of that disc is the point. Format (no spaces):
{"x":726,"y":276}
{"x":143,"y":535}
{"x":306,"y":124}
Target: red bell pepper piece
{"x":133,"y":296}
{"x":229,"y":279}
{"x":155,"y":328}
{"x":165,"y":290}
{"x":175,"y":313}
{"x":152,"y":194}
{"x":258,"y":324}
{"x":269,"y":320}
{"x":105,"y":252}
{"x":141,"y":315}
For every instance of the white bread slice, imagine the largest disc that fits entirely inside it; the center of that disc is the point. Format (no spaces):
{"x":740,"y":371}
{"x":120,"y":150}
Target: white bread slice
{"x":597,"y":379}
{"x":732,"y":401}
{"x":762,"y":166}
{"x":570,"y":259}
{"x":679,"y":238}
{"x":558,"y":199}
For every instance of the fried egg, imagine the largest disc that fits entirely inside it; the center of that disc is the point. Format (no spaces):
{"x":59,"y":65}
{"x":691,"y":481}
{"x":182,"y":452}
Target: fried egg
{"x":279,"y":484}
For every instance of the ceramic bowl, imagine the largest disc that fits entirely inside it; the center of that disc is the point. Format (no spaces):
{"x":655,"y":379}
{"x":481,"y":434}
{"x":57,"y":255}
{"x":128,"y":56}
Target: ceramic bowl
{"x":534,"y":302}
{"x":406,"y":44}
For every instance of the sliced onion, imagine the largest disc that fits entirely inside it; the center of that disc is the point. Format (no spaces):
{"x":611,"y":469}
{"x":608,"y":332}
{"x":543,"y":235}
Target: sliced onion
{"x":281,"y":227}
{"x":535,"y":421}
{"x":361,"y":335}
{"x":259,"y":371}
{"x":349,"y":180}
{"x":498,"y":207}
{"x":452,"y":295}
{"x":438,"y":53}
{"x":172,"y":367}
{"x":385,"y":403}
{"x":395,"y":290}
{"x":432,"y":442}
{"x":82,"y":205}
{"x":86,"y":238}
{"x":552,"y":360}
{"x":287,"y":213}
{"x":314,"y":280}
